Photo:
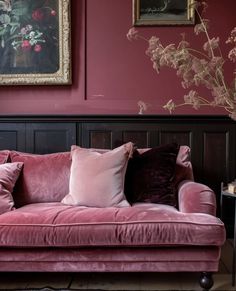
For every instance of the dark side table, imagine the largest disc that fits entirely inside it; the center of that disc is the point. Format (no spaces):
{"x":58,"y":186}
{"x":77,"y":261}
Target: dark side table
{"x":229,"y":195}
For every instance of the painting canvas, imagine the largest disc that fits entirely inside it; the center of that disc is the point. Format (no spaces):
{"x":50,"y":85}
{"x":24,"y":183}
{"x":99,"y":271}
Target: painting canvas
{"x":34,"y":42}
{"x":163,"y":12}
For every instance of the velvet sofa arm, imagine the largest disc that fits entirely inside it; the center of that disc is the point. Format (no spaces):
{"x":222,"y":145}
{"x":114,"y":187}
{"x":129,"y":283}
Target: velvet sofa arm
{"x":196,"y":198}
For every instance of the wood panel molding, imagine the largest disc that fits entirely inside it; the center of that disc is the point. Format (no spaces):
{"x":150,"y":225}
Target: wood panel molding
{"x":212,"y":138}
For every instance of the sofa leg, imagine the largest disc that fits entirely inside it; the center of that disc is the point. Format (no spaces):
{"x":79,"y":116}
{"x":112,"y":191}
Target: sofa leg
{"x":206,"y":281}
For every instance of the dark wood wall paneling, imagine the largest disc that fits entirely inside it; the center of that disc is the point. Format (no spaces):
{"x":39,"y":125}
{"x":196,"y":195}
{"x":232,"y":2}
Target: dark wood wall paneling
{"x":212,"y":139}
{"x":12,"y":136}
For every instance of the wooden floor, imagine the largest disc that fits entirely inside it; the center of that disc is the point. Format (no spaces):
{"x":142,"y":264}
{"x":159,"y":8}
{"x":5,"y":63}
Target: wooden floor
{"x":122,"y":281}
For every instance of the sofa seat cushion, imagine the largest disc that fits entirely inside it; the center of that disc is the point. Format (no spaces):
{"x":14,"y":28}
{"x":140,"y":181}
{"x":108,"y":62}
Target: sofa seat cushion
{"x":57,"y":225}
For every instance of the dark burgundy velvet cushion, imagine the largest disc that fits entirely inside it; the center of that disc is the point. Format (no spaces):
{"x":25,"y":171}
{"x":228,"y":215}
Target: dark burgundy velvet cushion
{"x":150,"y":174}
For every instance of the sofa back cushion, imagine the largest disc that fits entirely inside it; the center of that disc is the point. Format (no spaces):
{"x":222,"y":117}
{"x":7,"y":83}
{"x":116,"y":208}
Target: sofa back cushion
{"x":9,"y":173}
{"x":183,"y":170}
{"x":4,"y":155}
{"x":44,"y":178}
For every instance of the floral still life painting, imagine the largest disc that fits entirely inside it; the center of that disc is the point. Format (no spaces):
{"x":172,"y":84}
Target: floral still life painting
{"x":196,"y":67}
{"x":32,"y":36}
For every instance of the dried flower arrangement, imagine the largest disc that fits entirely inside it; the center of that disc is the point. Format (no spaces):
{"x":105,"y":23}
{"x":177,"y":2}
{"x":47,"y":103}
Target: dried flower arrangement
{"x":196,"y":67}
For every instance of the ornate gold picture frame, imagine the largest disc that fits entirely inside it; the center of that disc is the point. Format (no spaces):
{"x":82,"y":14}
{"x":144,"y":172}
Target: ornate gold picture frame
{"x":35,"y":42}
{"x":163,"y":12}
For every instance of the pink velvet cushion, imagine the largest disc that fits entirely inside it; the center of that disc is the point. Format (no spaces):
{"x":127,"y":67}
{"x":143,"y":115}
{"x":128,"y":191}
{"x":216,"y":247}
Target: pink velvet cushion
{"x":45,"y":178}
{"x":4,"y":155}
{"x":97,"y":179}
{"x":183,"y":169}
{"x":9,"y":173}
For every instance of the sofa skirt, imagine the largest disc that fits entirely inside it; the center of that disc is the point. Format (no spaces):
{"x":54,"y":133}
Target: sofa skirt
{"x":166,"y":259}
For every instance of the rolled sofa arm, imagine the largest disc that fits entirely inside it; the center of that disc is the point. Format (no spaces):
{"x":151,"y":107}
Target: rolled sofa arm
{"x":196,"y":198}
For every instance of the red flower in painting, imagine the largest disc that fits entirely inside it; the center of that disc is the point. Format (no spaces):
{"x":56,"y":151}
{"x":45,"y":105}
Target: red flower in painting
{"x":37,"y":14}
{"x":26,"y":45}
{"x":37,"y":48}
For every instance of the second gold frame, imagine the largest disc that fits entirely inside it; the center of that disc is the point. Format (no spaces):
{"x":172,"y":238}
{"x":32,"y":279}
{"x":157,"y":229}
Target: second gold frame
{"x":163,"y":12}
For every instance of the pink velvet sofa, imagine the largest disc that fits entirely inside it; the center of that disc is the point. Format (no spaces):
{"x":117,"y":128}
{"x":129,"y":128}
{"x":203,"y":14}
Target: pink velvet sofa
{"x":44,"y":228}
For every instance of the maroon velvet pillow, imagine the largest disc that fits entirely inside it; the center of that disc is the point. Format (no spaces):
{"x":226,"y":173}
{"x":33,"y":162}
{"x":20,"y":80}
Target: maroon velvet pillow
{"x":149,"y":175}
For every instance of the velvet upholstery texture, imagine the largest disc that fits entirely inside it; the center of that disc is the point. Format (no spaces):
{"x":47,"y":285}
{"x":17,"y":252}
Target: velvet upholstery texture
{"x":150,"y":175}
{"x":45,"y":235}
{"x":142,"y":225}
{"x":183,"y":169}
{"x":118,"y":254}
{"x":118,"y":259}
{"x":196,"y":198}
{"x":9,"y":173}
{"x":4,"y":155}
{"x":44,"y":178}
{"x":97,"y":179}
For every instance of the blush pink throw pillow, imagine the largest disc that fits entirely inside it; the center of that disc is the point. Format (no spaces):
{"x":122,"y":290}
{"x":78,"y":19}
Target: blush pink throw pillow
{"x":97,"y":179}
{"x":9,"y":173}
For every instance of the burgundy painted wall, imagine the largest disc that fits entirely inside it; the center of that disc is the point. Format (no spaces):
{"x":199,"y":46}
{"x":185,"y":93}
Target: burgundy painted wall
{"x":110,"y":74}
